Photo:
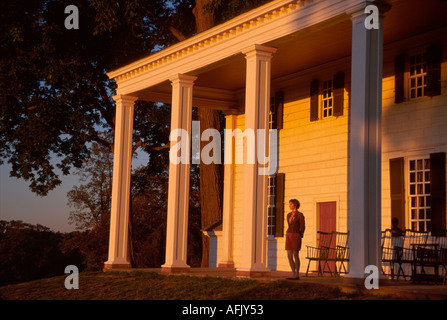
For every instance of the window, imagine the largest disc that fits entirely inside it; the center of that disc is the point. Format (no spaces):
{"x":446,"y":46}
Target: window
{"x":419,"y":194}
{"x":327,"y":99}
{"x":275,"y":192}
{"x":418,"y":75}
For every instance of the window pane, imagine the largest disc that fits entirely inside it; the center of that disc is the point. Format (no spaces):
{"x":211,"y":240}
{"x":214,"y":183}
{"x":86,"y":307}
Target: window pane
{"x":427,"y":176}
{"x":419,"y":81}
{"x":412,"y":165}
{"x":427,"y":188}
{"x":419,"y":164}
{"x":421,"y":201}
{"x":420,"y":189}
{"x":427,"y":163}
{"x":421,"y":226}
{"x":412,"y":177}
{"x":420,"y":177}
{"x":421,"y":214}
{"x":414,"y":214}
{"x":413,"y":189}
{"x":419,"y":92}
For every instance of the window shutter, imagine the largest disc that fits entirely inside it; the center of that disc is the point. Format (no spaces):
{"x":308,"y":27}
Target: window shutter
{"x":399,"y":69}
{"x":273,"y":111}
{"x":314,"y":90}
{"x":279,"y":204}
{"x":397,"y":188}
{"x":434,"y":57}
{"x":437,"y":189}
{"x":339,"y":88}
{"x":279,"y":108}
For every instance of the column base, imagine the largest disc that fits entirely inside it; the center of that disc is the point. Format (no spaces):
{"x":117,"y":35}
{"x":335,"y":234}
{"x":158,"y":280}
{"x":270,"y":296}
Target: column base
{"x":175,"y":269}
{"x":359,"y":280}
{"x":226,"y":265}
{"x":253,"y":273}
{"x":116,"y":265}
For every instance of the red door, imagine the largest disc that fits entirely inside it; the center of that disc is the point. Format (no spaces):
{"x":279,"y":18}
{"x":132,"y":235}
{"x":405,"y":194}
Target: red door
{"x":327,"y":223}
{"x":326,"y":216}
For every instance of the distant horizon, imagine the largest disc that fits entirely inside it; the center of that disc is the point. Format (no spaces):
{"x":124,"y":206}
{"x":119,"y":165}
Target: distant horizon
{"x":18,"y":202}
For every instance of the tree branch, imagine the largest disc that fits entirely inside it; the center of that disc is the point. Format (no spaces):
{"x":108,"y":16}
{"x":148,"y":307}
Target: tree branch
{"x":175,"y":32}
{"x":147,"y":147}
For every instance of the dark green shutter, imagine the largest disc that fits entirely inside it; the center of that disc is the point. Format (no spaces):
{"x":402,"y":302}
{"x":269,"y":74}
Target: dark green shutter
{"x":434,"y":58}
{"x":314,"y":90}
{"x":437,"y":189}
{"x":279,"y":109}
{"x":399,"y":69}
{"x":397,"y":189}
{"x":279,"y":204}
{"x":339,"y":88}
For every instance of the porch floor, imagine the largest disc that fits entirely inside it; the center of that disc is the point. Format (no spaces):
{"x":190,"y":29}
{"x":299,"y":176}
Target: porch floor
{"x":403,"y":289}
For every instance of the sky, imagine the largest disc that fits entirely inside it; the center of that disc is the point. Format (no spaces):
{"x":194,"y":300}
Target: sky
{"x":17,"y":202}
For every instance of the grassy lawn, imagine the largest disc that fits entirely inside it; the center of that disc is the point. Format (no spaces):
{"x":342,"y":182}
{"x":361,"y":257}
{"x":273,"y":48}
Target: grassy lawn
{"x":138,"y":285}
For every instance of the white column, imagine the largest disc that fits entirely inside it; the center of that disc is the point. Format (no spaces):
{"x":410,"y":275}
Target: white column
{"x":364,"y":164}
{"x":227,"y":216}
{"x":257,"y":107}
{"x":119,"y":215}
{"x":179,"y":173}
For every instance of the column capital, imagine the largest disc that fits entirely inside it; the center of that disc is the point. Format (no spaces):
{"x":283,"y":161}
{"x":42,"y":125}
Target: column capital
{"x":357,"y":9}
{"x":124,"y":98}
{"x":183,"y":79}
{"x":259,"y":50}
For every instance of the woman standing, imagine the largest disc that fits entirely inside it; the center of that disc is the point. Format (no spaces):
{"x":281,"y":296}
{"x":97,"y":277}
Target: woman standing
{"x":295,"y":232}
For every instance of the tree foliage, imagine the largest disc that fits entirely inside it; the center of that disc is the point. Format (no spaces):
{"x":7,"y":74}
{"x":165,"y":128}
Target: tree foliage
{"x":29,"y":252}
{"x":55,"y":96}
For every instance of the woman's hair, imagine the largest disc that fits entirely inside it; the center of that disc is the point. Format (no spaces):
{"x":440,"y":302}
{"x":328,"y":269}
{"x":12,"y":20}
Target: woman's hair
{"x":295,"y":202}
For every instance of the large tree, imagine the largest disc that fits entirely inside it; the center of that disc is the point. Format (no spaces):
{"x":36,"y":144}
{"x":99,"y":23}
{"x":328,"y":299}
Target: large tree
{"x":55,"y":96}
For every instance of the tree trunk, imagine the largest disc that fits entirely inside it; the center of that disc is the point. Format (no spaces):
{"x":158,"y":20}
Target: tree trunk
{"x":211,"y":183}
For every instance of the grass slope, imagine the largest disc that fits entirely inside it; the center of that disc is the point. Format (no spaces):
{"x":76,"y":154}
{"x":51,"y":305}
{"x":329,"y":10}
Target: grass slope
{"x":138,"y":285}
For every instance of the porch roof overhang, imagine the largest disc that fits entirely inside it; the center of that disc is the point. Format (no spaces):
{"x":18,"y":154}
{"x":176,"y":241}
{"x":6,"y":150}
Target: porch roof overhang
{"x":306,"y":34}
{"x":215,"y":55}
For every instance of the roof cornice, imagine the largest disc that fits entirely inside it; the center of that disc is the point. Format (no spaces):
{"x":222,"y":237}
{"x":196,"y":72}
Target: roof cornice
{"x":237,"y":25}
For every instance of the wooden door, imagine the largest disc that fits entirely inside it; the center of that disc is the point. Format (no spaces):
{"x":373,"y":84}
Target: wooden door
{"x":327,"y":223}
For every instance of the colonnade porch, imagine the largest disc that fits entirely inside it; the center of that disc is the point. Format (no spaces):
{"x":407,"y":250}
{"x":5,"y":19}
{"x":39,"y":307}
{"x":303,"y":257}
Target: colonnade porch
{"x":258,"y":44}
